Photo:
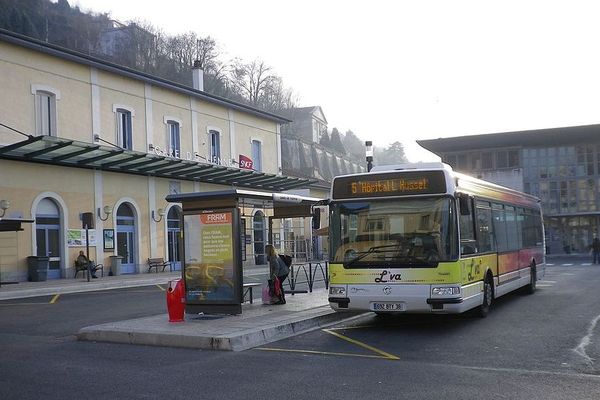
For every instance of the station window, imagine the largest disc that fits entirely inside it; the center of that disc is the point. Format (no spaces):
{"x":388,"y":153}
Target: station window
{"x":45,"y":98}
{"x":173,"y":129}
{"x":214,"y":142}
{"x":124,"y":128}
{"x":257,"y":155}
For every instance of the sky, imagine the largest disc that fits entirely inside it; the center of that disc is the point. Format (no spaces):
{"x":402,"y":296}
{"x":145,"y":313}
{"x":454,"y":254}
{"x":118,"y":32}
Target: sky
{"x":408,"y":70}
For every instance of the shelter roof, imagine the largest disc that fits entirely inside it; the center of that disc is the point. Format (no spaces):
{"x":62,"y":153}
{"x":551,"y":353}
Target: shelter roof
{"x":13,"y":224}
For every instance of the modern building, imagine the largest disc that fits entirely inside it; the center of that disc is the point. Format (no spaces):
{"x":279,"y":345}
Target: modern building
{"x":79,"y":135}
{"x":561,"y":166}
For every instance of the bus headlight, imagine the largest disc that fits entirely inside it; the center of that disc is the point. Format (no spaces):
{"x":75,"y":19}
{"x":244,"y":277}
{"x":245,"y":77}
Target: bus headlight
{"x":337,"y":290}
{"x":444,"y":291}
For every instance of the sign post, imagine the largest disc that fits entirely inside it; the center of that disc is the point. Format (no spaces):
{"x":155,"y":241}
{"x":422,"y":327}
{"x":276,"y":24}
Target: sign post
{"x":87,"y":220}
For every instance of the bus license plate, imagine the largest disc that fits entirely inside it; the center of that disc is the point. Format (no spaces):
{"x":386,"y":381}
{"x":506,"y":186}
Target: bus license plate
{"x":387,"y":306}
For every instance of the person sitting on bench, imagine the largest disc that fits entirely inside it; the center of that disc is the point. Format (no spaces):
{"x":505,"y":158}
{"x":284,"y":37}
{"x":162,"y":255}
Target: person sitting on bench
{"x":83,"y":260}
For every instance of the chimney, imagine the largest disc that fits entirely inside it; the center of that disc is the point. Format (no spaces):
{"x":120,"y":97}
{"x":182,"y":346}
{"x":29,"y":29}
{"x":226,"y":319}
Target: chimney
{"x":197,"y":76}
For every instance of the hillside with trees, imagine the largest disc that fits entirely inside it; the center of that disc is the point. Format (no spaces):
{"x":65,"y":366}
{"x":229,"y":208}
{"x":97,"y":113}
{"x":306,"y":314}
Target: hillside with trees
{"x":144,"y":47}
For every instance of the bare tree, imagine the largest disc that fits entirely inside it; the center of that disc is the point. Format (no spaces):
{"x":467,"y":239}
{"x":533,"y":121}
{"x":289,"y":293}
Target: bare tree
{"x":207,"y":54}
{"x":251,"y":80}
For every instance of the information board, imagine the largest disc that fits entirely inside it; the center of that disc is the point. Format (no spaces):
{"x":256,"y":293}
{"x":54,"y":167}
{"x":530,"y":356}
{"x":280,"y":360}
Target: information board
{"x":403,"y":183}
{"x":209,"y":270}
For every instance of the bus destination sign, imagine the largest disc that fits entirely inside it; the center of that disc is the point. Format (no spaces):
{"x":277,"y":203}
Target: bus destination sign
{"x":389,"y":184}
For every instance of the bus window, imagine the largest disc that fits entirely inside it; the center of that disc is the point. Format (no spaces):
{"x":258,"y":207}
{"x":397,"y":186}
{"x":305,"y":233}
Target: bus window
{"x":520,"y":225}
{"x":485,"y":233}
{"x":532,"y":228}
{"x":413,"y":232}
{"x":466,"y":226}
{"x":539,"y":225}
{"x":512,"y":235}
{"x":500,"y":227}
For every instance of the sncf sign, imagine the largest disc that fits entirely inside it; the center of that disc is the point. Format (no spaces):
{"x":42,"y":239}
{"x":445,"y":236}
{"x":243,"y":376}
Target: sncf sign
{"x":246,"y":162}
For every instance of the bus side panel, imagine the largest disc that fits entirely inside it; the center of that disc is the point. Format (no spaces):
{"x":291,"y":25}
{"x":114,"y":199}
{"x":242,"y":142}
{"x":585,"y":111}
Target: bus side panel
{"x":527,"y":255}
{"x":473,"y":269}
{"x":444,"y":273}
{"x":508,"y":266}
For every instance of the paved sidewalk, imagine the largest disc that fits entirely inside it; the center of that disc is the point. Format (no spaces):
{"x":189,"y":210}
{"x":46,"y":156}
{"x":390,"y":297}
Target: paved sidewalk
{"x":257,"y":325}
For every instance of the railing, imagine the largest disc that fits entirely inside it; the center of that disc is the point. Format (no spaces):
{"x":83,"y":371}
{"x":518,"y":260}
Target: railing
{"x":308,"y":272}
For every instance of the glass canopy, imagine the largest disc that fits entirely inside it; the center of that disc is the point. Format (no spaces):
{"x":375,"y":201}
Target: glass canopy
{"x":71,"y":153}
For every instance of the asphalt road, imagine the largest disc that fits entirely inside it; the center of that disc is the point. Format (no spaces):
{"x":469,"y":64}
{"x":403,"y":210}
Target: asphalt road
{"x":541,"y":346}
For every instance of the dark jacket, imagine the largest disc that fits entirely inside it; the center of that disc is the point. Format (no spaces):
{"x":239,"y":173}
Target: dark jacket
{"x":277,"y":267}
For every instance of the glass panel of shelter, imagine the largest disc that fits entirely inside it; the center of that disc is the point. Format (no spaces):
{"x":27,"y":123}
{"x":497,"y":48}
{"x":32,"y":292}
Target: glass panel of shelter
{"x":288,"y":235}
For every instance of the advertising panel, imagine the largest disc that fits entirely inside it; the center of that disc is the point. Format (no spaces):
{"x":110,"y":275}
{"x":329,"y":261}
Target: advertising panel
{"x":210,"y":272}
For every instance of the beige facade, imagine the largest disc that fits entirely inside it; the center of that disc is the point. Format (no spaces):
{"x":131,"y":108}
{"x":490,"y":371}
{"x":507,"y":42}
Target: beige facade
{"x":60,"y":94}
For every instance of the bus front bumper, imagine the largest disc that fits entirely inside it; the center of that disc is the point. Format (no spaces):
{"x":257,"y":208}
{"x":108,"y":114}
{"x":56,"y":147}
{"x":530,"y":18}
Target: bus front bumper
{"x":400,"y":299}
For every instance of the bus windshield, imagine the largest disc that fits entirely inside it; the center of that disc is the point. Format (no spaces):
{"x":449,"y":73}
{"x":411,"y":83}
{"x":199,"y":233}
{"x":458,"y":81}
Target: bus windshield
{"x":394,"y":233}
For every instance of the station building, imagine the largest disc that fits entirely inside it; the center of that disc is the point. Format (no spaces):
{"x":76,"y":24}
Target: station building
{"x":79,"y":135}
{"x":561,"y":166}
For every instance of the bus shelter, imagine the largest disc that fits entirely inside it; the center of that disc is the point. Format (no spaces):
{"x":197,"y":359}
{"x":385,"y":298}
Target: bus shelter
{"x":216,"y":243}
{"x":11,"y":225}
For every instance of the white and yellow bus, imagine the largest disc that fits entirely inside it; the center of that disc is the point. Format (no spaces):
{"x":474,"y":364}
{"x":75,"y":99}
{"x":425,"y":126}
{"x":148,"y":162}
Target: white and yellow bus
{"x":421,"y":238}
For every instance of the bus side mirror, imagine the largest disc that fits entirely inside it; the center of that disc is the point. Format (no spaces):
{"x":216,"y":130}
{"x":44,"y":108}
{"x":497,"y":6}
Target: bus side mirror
{"x":316,"y":218}
{"x":463,"y":203}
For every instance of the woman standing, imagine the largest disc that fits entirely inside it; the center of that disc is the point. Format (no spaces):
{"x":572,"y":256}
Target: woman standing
{"x":277,"y":268}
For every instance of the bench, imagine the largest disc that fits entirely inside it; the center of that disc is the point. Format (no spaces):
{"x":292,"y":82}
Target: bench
{"x":158,"y":263}
{"x":83,"y":267}
{"x":248,"y":290}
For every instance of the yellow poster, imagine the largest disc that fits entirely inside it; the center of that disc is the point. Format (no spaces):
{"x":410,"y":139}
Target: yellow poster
{"x":209,"y":256}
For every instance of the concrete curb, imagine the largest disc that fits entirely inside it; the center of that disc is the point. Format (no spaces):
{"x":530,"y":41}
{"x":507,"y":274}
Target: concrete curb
{"x":157,"y":331}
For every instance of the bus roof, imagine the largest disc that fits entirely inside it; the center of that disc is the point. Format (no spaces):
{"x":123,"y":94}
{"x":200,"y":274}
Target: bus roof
{"x":423,"y":179}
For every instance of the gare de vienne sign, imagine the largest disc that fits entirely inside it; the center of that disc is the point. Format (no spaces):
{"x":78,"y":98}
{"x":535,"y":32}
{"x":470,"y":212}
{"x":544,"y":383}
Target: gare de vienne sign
{"x":243,"y":163}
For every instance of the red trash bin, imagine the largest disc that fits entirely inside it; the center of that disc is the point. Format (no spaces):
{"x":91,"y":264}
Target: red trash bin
{"x":176,"y":300}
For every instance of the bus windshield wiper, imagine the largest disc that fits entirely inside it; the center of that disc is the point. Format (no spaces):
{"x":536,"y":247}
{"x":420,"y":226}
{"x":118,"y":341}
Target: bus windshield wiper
{"x":373,"y":249}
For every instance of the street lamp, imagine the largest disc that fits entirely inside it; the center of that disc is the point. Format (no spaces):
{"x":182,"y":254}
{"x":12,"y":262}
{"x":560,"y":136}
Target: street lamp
{"x":161,"y":214}
{"x":107,"y":210}
{"x":369,"y":153}
{"x":4,"y":205}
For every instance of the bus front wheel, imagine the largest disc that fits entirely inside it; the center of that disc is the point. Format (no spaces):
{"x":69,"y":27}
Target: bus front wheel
{"x":484,"y":309}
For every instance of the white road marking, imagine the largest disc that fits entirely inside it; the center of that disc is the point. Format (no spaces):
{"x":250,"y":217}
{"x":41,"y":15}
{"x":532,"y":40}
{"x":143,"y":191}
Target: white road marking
{"x":566,"y":265}
{"x":521,"y":371}
{"x":586,"y":340}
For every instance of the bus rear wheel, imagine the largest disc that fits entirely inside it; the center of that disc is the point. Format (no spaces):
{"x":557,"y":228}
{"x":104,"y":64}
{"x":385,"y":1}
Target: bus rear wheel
{"x":484,"y":309}
{"x":532,"y":286}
